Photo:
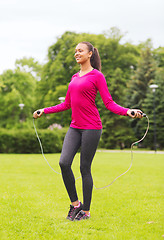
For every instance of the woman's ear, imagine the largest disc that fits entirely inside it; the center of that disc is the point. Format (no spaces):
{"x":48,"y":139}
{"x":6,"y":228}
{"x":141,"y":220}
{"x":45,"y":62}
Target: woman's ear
{"x":90,"y":54}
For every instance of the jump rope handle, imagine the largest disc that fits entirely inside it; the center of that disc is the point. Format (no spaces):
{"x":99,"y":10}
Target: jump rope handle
{"x":143,"y":114}
{"x":38,"y":112}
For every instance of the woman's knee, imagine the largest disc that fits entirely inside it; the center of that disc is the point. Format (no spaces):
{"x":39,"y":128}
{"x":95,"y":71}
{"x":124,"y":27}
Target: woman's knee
{"x":63,"y":164}
{"x":85,"y":170}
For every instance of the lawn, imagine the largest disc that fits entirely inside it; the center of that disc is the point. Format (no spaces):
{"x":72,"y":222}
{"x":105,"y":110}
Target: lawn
{"x":34,"y":203}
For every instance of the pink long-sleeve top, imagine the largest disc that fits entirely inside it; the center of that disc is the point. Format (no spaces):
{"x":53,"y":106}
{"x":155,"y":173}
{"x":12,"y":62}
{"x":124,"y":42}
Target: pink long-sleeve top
{"x":81,"y":97}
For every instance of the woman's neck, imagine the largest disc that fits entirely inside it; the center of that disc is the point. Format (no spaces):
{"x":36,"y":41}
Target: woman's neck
{"x":85,"y":68}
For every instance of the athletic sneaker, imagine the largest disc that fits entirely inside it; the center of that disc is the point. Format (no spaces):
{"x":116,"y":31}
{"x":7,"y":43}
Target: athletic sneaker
{"x":81,"y":216}
{"x":74,"y":211}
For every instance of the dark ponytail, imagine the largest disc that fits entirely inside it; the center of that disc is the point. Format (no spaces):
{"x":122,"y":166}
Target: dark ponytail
{"x":95,"y":58}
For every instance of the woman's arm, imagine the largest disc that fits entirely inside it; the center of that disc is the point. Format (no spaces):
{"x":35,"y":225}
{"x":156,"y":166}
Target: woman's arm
{"x":54,"y":109}
{"x":111,"y":105}
{"x":107,"y":98}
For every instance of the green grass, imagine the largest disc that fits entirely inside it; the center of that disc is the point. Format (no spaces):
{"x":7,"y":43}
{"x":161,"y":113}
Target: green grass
{"x":34,"y":202}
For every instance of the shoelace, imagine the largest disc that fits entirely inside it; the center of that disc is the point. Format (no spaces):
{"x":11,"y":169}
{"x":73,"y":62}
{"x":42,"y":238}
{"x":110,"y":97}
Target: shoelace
{"x":70,"y":211}
{"x":81,"y":214}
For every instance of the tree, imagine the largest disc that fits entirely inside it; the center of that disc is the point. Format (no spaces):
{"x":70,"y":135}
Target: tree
{"x":158,"y":55}
{"x":29,"y":65}
{"x":142,"y":77}
{"x":159,"y":105}
{"x":16,"y":87}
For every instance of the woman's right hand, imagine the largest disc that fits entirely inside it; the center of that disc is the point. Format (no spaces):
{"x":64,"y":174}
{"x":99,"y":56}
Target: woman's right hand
{"x":135,"y":113}
{"x":38,"y":113}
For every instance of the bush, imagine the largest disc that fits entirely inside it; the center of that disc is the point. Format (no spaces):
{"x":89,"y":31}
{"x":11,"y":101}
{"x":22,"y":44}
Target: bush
{"x":25,"y":141}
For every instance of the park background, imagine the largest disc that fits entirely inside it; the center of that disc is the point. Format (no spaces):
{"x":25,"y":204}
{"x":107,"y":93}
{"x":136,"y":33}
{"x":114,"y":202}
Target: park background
{"x":130,"y":71}
{"x":37,"y":42}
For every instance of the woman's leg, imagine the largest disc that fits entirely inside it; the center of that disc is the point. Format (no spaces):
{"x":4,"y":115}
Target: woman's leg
{"x":71,"y":145}
{"x":90,"y":140}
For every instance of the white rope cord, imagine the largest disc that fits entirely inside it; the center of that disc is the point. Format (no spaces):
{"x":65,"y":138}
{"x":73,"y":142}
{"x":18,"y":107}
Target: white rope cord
{"x":131,"y":159}
{"x":42,"y":148}
{"x":80,"y":177}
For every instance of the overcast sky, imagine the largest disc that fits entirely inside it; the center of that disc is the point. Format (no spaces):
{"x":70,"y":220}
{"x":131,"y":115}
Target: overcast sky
{"x":29,"y":27}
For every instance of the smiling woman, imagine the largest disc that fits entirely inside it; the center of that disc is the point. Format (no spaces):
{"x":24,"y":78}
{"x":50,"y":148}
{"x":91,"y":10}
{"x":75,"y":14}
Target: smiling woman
{"x":86,"y":127}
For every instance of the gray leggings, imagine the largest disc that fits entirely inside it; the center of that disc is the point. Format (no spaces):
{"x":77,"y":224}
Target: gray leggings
{"x":88,"y":140}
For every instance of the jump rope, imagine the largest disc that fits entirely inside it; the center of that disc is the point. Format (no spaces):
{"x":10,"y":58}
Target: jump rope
{"x":41,"y":147}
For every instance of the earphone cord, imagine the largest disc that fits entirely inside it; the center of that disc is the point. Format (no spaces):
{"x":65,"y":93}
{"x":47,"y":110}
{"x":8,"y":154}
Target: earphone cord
{"x":80,"y":177}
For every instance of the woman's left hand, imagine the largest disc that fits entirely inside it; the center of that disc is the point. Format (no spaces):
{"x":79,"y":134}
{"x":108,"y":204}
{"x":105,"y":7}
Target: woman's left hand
{"x":135,"y":113}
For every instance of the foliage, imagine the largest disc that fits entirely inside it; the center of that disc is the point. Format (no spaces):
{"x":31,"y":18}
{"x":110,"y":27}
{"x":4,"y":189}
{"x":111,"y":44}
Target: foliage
{"x":18,"y":87}
{"x":159,"y":56}
{"x":128,"y":69}
{"x":149,"y":71}
{"x":141,"y":79}
{"x":155,"y":99}
{"x":29,"y":65}
{"x":25,"y":141}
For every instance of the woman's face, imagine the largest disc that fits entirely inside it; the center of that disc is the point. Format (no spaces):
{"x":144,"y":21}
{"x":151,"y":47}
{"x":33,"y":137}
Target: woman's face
{"x":82,"y":53}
